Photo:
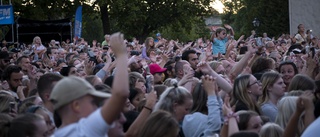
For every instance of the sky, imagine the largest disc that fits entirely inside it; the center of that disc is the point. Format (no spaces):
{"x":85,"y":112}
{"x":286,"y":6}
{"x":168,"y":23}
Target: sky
{"x":217,"y":5}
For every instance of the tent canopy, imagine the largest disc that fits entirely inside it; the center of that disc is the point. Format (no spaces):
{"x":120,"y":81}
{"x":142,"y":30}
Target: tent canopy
{"x":58,"y":30}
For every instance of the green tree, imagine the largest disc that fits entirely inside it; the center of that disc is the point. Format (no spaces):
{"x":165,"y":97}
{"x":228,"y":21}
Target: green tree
{"x":272,"y":14}
{"x":92,"y":28}
{"x":141,"y":17}
{"x":135,"y":18}
{"x":176,"y":31}
{"x":49,"y":10}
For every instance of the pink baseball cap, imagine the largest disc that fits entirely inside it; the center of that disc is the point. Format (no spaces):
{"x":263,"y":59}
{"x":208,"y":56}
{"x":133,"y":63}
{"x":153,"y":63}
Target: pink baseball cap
{"x":155,"y":68}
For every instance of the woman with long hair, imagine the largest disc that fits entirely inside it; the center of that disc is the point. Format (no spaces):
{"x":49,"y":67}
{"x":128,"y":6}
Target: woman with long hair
{"x":273,"y":89}
{"x":205,"y":114}
{"x":246,"y":91}
{"x":176,"y":100}
{"x":37,"y":47}
{"x":302,"y":82}
{"x":249,"y":121}
{"x":148,"y":47}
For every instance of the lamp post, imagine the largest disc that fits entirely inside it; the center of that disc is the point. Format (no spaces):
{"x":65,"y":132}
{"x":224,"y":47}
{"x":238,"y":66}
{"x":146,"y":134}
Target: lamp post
{"x":256,"y":24}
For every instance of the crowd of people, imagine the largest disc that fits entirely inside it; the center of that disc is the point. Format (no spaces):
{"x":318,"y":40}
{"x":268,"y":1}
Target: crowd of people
{"x":215,"y":87}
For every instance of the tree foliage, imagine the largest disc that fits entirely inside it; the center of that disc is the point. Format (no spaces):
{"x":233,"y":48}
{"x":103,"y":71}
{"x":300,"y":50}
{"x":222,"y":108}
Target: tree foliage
{"x":141,"y":17}
{"x":272,"y":14}
{"x":135,"y":18}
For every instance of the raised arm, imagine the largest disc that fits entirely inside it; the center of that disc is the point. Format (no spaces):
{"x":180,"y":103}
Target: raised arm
{"x":304,"y":103}
{"x":224,"y":84}
{"x":230,"y":28}
{"x":309,"y":108}
{"x":231,"y":46}
{"x":214,"y":117}
{"x":120,"y":87}
{"x":144,"y":114}
{"x":231,"y":118}
{"x":106,"y":70}
{"x":237,"y":69}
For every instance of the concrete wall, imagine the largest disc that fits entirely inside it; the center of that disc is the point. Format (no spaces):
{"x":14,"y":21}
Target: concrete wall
{"x":305,"y":12}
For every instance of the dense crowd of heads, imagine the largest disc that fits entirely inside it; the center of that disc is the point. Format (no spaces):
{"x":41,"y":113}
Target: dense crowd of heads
{"x":219,"y":86}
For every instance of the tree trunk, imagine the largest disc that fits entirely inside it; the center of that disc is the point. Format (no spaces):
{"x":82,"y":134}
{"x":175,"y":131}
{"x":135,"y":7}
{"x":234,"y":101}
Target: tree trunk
{"x":105,"y":19}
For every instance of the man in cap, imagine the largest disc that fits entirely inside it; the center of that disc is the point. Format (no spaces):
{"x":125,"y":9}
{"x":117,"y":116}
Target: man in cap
{"x":74,"y":102}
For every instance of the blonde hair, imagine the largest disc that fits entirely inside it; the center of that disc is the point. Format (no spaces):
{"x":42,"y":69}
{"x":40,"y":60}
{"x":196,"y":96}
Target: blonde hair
{"x":34,"y":40}
{"x":171,"y":96}
{"x":287,"y":107}
{"x":169,"y":82}
{"x":240,"y":93}
{"x":271,"y":130}
{"x":295,"y":93}
{"x":133,"y":77}
{"x":267,"y":79}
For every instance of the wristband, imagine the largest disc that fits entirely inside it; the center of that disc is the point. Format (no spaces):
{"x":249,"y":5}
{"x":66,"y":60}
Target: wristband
{"x":231,"y":115}
{"x":147,"y":108}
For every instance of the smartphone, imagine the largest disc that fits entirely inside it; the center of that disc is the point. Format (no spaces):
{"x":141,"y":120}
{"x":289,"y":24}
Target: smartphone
{"x":12,"y":106}
{"x":92,"y":57}
{"x":149,"y":83}
{"x":194,"y":42}
{"x":243,"y":49}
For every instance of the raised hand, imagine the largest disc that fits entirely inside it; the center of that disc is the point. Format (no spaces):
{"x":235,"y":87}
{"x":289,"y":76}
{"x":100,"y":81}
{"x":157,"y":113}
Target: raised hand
{"x":117,"y":44}
{"x":151,"y":99}
{"x":188,"y":75}
{"x":89,"y":65}
{"x":208,"y":51}
{"x":304,"y":101}
{"x":209,"y":84}
{"x":226,"y":108}
{"x":250,"y":48}
{"x":204,"y":67}
{"x":31,"y":72}
{"x":227,"y":26}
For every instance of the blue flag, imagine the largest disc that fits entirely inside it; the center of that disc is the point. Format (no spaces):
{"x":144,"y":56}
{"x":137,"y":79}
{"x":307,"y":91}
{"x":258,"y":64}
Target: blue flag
{"x":6,"y":14}
{"x":78,"y":23}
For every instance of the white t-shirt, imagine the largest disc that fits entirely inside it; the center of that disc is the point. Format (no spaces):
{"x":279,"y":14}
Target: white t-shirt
{"x":300,"y":38}
{"x":92,"y":126}
{"x":41,"y":47}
